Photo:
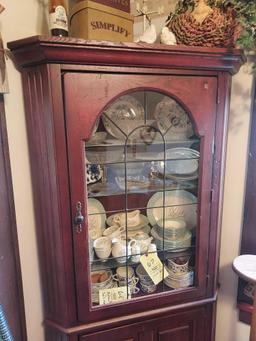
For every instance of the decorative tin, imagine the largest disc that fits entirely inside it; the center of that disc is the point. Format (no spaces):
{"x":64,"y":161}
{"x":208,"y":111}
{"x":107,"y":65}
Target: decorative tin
{"x":92,"y":20}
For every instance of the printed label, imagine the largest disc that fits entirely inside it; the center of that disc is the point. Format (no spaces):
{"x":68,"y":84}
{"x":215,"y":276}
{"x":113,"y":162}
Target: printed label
{"x":154,"y":267}
{"x":99,"y":25}
{"x":113,"y":295}
{"x":58,"y":19}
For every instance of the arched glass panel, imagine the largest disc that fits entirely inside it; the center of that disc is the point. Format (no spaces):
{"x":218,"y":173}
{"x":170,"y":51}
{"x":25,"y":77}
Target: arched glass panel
{"x":142,"y":166}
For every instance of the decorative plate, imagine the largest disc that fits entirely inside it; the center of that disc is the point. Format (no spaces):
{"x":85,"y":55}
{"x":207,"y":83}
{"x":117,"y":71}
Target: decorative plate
{"x":123,"y":116}
{"x":172,"y":120}
{"x":179,"y":161}
{"x":93,"y":173}
{"x":96,"y":218}
{"x":179,"y":204}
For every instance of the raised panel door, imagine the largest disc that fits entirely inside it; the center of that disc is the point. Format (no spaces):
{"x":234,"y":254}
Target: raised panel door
{"x":179,"y":333}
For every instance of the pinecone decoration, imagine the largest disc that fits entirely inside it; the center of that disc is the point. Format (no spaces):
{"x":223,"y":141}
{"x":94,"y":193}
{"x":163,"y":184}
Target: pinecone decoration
{"x":212,"y":28}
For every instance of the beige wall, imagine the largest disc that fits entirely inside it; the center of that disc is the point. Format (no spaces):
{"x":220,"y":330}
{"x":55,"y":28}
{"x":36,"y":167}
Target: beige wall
{"x":24,"y":18}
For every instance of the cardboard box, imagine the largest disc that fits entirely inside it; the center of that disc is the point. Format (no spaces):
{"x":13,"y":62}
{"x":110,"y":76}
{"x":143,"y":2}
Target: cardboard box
{"x":91,"y":20}
{"x":123,"y":5}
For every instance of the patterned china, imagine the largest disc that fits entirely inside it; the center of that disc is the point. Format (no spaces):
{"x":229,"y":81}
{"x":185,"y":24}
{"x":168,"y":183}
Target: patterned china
{"x":172,"y":120}
{"x":123,"y":116}
{"x":179,"y":204}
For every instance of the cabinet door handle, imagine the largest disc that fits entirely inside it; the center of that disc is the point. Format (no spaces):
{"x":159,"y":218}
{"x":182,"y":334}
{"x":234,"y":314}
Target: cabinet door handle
{"x":79,"y":218}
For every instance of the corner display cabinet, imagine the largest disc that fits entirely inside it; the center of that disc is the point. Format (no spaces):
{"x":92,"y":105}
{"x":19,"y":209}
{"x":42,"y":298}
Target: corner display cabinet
{"x":127,"y":144}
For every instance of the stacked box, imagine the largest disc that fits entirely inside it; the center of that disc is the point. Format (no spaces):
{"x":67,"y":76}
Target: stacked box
{"x":93,"y":20}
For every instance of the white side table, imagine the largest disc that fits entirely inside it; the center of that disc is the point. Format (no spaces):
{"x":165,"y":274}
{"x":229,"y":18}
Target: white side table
{"x":245,"y":267}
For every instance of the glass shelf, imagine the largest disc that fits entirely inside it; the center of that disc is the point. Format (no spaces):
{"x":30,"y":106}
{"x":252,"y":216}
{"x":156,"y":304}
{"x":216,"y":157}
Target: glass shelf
{"x":101,"y":190}
{"x":113,"y":262}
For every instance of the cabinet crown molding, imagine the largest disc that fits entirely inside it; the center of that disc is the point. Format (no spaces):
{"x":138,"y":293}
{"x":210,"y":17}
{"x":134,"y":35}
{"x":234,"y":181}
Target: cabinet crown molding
{"x":41,"y":49}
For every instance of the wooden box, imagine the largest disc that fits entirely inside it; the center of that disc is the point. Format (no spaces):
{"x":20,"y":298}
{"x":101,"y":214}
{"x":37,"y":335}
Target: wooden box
{"x":123,"y":5}
{"x":92,"y":20}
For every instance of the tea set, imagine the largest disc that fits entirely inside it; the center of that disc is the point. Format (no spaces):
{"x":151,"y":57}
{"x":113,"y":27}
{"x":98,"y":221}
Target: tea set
{"x":116,"y":240}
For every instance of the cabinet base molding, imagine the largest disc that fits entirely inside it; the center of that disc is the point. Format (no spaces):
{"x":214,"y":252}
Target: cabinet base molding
{"x":141,"y":320}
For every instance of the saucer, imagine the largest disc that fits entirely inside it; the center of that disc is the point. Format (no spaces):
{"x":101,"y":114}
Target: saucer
{"x":143,"y":222}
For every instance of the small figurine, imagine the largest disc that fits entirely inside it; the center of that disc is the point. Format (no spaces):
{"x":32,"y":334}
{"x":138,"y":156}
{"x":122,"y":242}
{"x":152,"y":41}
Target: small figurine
{"x":148,"y":36}
{"x":167,"y":37}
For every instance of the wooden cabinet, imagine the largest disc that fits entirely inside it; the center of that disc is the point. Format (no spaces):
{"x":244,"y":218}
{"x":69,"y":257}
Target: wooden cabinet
{"x":127,"y":145}
{"x":190,"y":326}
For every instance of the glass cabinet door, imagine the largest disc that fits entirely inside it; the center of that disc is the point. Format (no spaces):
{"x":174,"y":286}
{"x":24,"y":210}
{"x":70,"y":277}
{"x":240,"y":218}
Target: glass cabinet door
{"x":142,"y":169}
{"x":140,"y":164}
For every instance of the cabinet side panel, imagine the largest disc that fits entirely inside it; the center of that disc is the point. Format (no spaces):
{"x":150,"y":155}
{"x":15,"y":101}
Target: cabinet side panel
{"x":224,"y":83}
{"x":51,"y":233}
{"x":11,"y":294}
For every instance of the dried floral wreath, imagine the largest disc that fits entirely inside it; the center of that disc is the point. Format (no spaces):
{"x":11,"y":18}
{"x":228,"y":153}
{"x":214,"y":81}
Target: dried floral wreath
{"x":231,"y":23}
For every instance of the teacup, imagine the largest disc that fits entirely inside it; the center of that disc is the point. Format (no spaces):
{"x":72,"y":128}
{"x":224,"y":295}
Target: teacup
{"x":102,"y":247}
{"x":133,"y":218}
{"x":126,"y":277}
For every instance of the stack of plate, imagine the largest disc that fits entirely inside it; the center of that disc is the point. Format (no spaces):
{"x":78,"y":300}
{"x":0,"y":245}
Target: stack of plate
{"x":175,"y":281}
{"x":174,"y":244}
{"x":171,"y":228}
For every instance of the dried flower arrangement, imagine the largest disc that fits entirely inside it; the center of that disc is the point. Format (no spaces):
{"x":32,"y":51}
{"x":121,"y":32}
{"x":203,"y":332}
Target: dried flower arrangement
{"x":222,"y":23}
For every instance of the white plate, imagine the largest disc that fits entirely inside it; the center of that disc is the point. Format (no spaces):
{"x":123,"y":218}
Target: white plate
{"x":125,"y":113}
{"x":179,"y":161}
{"x":96,"y":218}
{"x":172,"y":120}
{"x":141,"y":225}
{"x":178,"y":202}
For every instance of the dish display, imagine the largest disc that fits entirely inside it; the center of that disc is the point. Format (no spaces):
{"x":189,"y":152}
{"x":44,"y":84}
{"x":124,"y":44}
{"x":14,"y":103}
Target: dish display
{"x":96,"y":218}
{"x":143,"y":222}
{"x":172,"y":120}
{"x":179,"y":161}
{"x":179,"y":204}
{"x":123,"y":116}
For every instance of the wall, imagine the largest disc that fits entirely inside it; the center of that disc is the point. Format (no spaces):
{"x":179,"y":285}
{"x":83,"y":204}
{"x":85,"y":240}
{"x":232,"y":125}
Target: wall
{"x":25,"y":18}
{"x":227,"y":326}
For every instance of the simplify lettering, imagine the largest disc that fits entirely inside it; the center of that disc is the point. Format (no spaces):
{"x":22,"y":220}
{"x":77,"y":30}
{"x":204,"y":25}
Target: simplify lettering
{"x":97,"y":25}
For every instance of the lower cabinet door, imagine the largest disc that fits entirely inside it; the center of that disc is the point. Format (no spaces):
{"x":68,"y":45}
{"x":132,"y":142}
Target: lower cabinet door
{"x":192,"y":325}
{"x":127,"y":333}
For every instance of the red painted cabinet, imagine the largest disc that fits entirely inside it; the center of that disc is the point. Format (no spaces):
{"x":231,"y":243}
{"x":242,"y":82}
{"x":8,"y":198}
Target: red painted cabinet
{"x":127,"y":144}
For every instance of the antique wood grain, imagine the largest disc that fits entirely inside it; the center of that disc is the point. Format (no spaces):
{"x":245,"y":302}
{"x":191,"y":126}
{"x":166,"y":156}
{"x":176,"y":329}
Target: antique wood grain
{"x":11,"y":295}
{"x":54,"y":241}
{"x":39,"y":49}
